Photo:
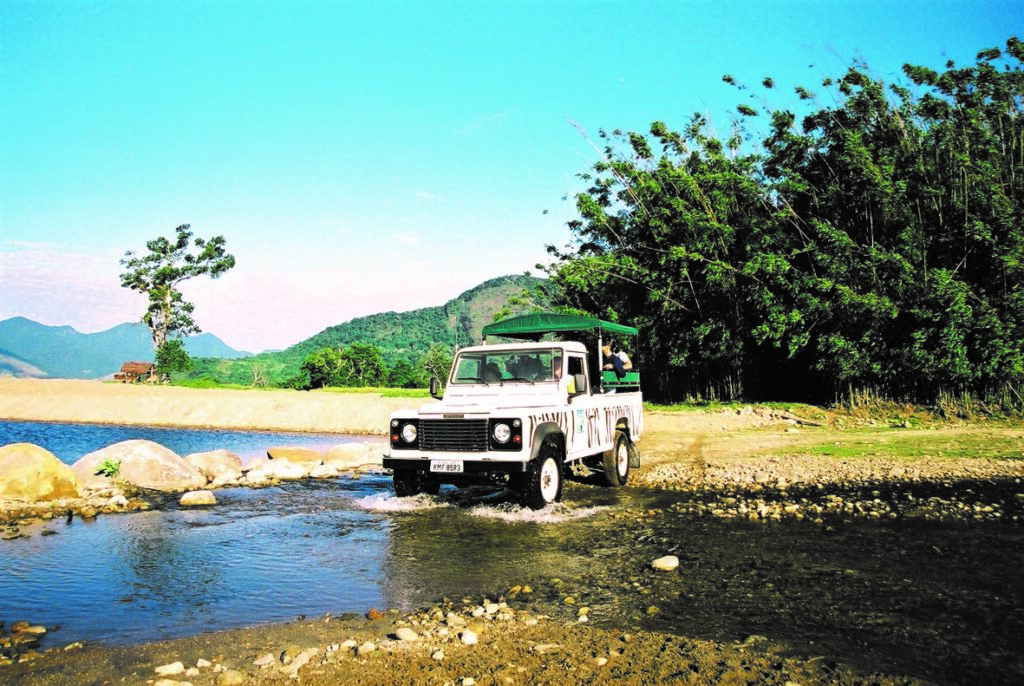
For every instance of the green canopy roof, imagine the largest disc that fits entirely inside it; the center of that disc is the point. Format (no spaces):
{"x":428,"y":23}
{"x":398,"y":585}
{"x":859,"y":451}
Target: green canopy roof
{"x":539,"y":323}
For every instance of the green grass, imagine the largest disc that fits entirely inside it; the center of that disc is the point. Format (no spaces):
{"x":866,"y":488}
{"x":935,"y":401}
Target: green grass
{"x":892,"y":443}
{"x":383,"y":392}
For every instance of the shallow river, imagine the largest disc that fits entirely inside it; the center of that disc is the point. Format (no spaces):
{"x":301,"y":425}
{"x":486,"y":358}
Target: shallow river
{"x":939,"y":600}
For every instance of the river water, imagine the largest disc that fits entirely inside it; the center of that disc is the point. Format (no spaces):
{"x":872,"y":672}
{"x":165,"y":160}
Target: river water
{"x":940,"y":600}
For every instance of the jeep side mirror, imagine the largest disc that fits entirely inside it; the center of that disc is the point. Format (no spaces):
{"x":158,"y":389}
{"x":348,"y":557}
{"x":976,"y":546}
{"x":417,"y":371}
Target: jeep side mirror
{"x":435,"y":386}
{"x":580,"y":383}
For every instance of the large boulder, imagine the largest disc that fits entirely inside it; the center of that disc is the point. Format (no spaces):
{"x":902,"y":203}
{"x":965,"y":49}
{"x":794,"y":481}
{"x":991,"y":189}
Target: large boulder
{"x":348,"y":456}
{"x":31,"y":473}
{"x":218,"y":466}
{"x":143,"y":463}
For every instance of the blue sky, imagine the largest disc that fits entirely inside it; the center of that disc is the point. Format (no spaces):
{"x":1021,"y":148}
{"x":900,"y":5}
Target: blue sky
{"x":371,"y":156}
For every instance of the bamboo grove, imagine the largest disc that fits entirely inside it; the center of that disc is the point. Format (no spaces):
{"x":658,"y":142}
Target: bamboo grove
{"x":871,"y":246}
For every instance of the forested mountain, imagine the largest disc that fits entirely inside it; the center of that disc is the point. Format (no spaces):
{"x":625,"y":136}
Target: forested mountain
{"x":39,"y":350}
{"x":400,"y":336}
{"x":874,"y":245}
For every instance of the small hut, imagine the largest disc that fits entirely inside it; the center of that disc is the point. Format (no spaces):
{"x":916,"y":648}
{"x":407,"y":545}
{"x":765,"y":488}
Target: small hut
{"x":132,"y":372}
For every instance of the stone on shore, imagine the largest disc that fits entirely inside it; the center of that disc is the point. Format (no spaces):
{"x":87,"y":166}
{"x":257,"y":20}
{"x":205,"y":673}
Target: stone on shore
{"x":197,"y":499}
{"x":666,"y":563}
{"x":170,"y":669}
{"x":143,"y":463}
{"x":218,"y":466}
{"x":31,"y":473}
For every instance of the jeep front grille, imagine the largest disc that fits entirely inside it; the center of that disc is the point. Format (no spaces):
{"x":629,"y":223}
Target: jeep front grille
{"x":454,"y":435}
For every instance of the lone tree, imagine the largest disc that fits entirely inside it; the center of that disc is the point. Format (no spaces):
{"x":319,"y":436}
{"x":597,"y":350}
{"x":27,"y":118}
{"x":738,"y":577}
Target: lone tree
{"x":158,"y":274}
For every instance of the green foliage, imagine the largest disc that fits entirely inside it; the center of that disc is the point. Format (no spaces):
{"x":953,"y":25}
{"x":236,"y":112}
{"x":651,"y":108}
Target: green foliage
{"x":876,"y":244}
{"x":358,"y":365}
{"x":437,"y":363}
{"x":324,"y":368}
{"x":159,"y":273}
{"x":109,"y":468}
{"x":403,"y":375}
{"x":172,"y":358}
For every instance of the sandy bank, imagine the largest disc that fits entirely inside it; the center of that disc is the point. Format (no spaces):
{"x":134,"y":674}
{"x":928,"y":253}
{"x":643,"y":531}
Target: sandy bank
{"x":68,"y":400}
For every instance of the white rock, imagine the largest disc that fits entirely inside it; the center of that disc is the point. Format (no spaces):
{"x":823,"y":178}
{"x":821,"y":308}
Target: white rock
{"x":666,"y":564}
{"x":323,"y":471}
{"x":300,"y":661}
{"x":203,"y":664}
{"x":437,"y":656}
{"x":366,"y":648}
{"x":285,"y":469}
{"x":469,"y":637}
{"x":265,"y":660}
{"x":406,"y":634}
{"x":170,"y":669}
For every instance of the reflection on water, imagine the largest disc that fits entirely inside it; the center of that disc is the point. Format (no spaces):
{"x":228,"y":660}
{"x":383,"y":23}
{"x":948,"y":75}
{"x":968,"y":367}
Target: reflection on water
{"x":262,"y":555}
{"x":266,"y":555}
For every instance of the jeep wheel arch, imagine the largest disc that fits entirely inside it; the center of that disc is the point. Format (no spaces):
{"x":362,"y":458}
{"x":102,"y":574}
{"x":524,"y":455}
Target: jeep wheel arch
{"x":543,"y":432}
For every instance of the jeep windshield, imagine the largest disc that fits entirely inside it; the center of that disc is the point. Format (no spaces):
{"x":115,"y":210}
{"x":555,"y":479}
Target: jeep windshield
{"x":509,"y":366}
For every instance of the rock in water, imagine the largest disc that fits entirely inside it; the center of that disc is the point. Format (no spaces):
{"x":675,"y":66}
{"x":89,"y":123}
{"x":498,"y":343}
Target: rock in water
{"x":197,"y":499}
{"x":217,"y":465}
{"x":348,"y":455}
{"x":28,"y":472}
{"x":143,"y":463}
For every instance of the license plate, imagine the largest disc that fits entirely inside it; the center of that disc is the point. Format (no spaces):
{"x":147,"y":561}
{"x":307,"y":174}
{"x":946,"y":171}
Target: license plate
{"x":446,"y":466}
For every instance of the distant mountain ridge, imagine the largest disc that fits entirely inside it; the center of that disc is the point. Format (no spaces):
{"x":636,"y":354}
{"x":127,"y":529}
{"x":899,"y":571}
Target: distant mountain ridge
{"x":405,"y":336}
{"x":31,"y":349}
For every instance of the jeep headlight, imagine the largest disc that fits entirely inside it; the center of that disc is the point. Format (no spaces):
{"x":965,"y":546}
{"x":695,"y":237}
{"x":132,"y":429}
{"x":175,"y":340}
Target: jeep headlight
{"x":502,"y":432}
{"x":409,"y":433}
{"x":404,"y":434}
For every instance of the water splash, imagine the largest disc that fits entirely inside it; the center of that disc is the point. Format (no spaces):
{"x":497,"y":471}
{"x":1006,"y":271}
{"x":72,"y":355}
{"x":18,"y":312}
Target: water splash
{"x":388,"y":502}
{"x":555,"y":513}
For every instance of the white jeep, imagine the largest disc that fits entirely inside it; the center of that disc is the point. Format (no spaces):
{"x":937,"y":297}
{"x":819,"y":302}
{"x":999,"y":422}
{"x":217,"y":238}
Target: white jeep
{"x":522,"y":413}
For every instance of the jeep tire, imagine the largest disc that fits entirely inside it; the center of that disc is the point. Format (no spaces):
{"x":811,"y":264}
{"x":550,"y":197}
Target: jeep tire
{"x":544,"y":481}
{"x":617,"y":460}
{"x":409,"y":482}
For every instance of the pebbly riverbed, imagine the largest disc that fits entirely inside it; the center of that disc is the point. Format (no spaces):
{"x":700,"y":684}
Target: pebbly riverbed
{"x":919,"y":577}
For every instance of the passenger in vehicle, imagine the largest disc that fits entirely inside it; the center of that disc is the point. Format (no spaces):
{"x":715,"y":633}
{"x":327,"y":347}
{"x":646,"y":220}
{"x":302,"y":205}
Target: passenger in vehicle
{"x":492,"y":373}
{"x":617,"y":361}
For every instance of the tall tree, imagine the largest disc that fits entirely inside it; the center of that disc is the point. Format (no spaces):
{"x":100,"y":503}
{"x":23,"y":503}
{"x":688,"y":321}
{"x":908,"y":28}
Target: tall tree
{"x":160,"y":272}
{"x":875,"y":244}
